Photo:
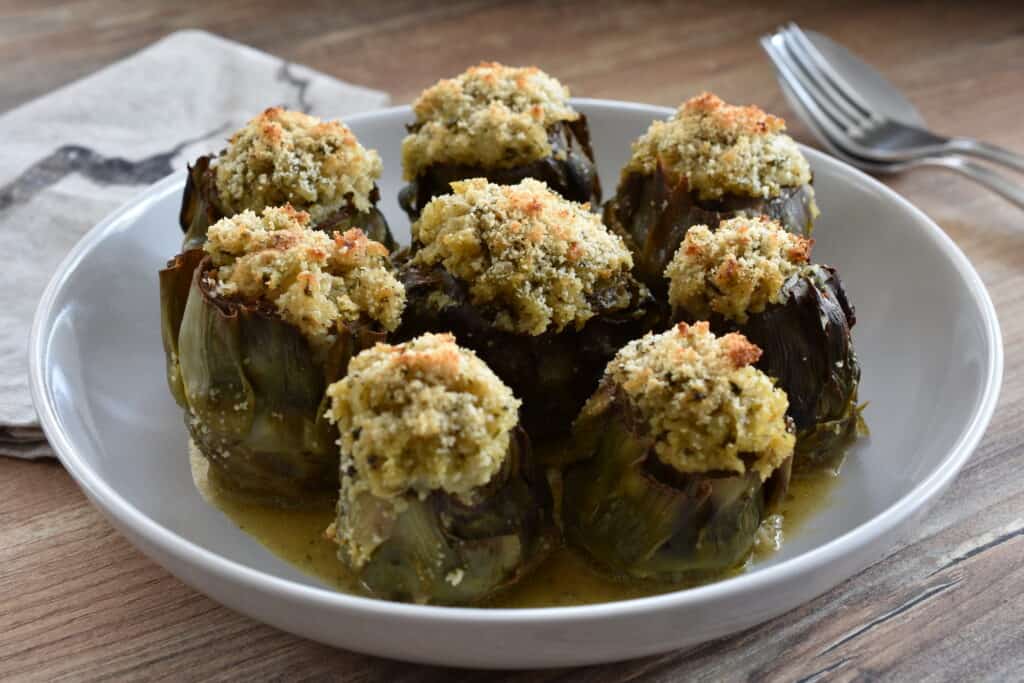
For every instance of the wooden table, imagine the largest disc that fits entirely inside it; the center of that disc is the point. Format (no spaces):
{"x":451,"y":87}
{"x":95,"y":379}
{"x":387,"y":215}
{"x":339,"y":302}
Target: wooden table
{"x":77,"y":601}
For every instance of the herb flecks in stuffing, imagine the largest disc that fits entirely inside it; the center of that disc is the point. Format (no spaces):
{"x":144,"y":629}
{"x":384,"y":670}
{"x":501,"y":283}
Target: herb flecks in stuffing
{"x":718,"y":149}
{"x":736,"y":270}
{"x":423,"y":416}
{"x":705,"y":405}
{"x":533,"y":257}
{"x":491,"y":115}
{"x":284,"y":156}
{"x":313,"y":280}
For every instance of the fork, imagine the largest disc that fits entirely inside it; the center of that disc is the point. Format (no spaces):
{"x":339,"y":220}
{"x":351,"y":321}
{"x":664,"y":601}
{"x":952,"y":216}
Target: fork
{"x":867,"y":139}
{"x":872,"y":134}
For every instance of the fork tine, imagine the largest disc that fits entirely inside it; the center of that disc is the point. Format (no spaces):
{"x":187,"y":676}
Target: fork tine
{"x":824,"y":124}
{"x":812,"y":91}
{"x":843,"y":110}
{"x":840,"y":84}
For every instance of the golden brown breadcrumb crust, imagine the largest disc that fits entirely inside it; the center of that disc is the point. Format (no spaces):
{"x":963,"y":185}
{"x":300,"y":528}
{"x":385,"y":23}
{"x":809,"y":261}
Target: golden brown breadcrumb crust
{"x":313,"y":279}
{"x":524,"y":251}
{"x":284,"y":156}
{"x":718,"y":149}
{"x":423,"y":416}
{"x":707,"y":409}
{"x":415,"y":418}
{"x":491,"y":115}
{"x":736,"y":270}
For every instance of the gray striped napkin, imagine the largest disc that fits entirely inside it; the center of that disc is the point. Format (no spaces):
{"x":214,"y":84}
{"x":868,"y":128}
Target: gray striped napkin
{"x":74,"y":155}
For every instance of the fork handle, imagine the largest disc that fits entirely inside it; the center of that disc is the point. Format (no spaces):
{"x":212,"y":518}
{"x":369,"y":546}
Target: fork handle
{"x":987,"y":151}
{"x":997,"y":182}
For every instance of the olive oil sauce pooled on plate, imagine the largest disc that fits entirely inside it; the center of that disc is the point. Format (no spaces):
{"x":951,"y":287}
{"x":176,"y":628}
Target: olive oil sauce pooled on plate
{"x":564,"y":578}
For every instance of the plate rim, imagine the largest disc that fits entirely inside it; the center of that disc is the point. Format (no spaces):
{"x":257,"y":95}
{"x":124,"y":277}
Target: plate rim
{"x":860,"y":537}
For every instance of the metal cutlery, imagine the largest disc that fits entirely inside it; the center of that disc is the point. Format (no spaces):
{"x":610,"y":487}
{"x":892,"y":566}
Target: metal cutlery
{"x":865,"y":121}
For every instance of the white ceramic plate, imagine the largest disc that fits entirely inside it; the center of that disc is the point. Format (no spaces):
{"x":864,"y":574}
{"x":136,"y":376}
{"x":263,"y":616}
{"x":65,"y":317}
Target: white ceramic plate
{"x":927,"y":337}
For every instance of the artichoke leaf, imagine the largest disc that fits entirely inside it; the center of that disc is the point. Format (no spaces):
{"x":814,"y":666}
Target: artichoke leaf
{"x":777,"y":486}
{"x":554,"y":372}
{"x":727,"y":537}
{"x":441,"y":550}
{"x":503,"y":506}
{"x":826,"y":442}
{"x":653,"y":214}
{"x":613,"y":510}
{"x":419,"y":563}
{"x":219,"y":395}
{"x":412,"y":561}
{"x":255,"y":394}
{"x":175,"y":285}
{"x":371,"y":222}
{"x":200,"y":208}
{"x":569,"y":170}
{"x":352,"y":338}
{"x":635,"y":516}
{"x":807,"y":346}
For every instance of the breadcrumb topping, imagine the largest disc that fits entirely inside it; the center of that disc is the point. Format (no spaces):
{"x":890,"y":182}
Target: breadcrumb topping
{"x":706,"y":407}
{"x":491,"y":115}
{"x":526,"y":253}
{"x":736,"y":270}
{"x":718,"y":149}
{"x":314,"y":280}
{"x":422,"y":416}
{"x":288,"y":157}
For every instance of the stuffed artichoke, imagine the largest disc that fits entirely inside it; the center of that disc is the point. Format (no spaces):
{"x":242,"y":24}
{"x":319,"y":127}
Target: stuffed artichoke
{"x":533,"y":283}
{"x":287,"y":157}
{"x":683,"y":449}
{"x":440,"y":499}
{"x":753,"y":277}
{"x":708,"y":162}
{"x":255,"y":326}
{"x":501,"y":123}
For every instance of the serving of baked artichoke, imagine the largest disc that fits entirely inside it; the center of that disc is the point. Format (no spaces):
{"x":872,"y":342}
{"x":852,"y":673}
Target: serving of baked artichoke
{"x":500,"y":123}
{"x":753,"y":277}
{"x":680,"y":453}
{"x":708,"y":162}
{"x":255,"y":326}
{"x":287,"y":157}
{"x":533,"y":283}
{"x":440,"y":501}
{"x":529,"y":380}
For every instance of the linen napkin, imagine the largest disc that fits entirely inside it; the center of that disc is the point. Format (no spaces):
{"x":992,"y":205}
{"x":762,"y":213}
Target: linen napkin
{"x":73,"y":156}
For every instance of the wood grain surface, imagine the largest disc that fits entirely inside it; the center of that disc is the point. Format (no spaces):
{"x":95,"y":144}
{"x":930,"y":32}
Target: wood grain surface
{"x":76,"y":601}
